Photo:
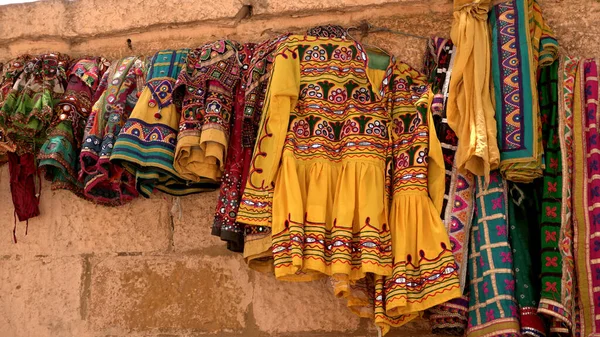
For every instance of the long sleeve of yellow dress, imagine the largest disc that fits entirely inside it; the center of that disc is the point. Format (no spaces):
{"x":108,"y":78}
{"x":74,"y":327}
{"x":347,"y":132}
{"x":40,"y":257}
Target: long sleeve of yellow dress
{"x":436,"y":174}
{"x":257,"y":201}
{"x":470,"y":110}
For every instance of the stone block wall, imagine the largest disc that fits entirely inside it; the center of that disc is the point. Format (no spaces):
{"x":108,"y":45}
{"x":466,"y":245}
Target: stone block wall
{"x":151,"y":268}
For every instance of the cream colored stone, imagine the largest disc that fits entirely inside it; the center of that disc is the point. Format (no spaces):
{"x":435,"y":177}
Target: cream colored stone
{"x":69,"y":225}
{"x":40,"y":297}
{"x":287,"y":307}
{"x":142,"y":293}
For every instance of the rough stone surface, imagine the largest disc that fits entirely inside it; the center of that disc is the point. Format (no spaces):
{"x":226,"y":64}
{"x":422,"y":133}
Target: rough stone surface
{"x":147,"y":269}
{"x":193,"y":219}
{"x":40,"y":297}
{"x":576,"y":24}
{"x":69,"y":225}
{"x":305,"y":307}
{"x":207,"y":294}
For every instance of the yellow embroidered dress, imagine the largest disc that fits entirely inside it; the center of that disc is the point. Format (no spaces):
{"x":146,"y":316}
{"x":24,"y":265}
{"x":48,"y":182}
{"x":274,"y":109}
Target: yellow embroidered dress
{"x":325,"y":164}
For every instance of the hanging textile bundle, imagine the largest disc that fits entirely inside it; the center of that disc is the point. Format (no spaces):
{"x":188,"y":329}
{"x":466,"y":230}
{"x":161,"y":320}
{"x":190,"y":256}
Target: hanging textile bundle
{"x":522,"y":42}
{"x":470,"y":110}
{"x":207,"y":84}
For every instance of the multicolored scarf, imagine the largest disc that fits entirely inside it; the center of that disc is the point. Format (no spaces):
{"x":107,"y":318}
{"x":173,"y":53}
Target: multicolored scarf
{"x":521,"y":42}
{"x":586,"y":195}
{"x":493,"y":309}
{"x":560,"y":305}
{"x":60,"y":153}
{"x":523,"y":227}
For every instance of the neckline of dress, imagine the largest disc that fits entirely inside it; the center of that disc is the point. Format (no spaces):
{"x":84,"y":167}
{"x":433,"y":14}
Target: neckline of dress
{"x":364,"y":56}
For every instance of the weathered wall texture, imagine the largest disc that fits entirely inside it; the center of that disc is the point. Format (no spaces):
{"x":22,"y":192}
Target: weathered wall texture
{"x":139,"y":270}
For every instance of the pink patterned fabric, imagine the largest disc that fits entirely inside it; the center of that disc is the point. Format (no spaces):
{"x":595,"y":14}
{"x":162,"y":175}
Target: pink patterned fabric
{"x":587,"y":229}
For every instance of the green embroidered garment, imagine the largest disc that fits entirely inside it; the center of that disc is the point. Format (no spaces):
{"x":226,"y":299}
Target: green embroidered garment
{"x":524,"y":225}
{"x":28,"y":108}
{"x":493,"y":310}
{"x":59,"y":156}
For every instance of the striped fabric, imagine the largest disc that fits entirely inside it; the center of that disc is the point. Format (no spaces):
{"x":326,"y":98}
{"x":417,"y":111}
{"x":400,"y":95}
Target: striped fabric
{"x":562,"y":309}
{"x":146,"y":144}
{"x":586,"y":196}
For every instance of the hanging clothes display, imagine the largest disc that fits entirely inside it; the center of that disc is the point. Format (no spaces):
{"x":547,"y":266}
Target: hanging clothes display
{"x":147,"y":141}
{"x":59,"y":156}
{"x":586,"y":195}
{"x":459,"y":194}
{"x":468,"y":194}
{"x":25,"y":114}
{"x":105,"y":182}
{"x":470,"y":110}
{"x":519,"y":36}
{"x":207,"y":84}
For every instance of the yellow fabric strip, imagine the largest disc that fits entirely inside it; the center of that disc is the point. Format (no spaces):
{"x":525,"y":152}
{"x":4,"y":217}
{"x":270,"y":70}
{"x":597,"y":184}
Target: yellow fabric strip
{"x":470,"y":110}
